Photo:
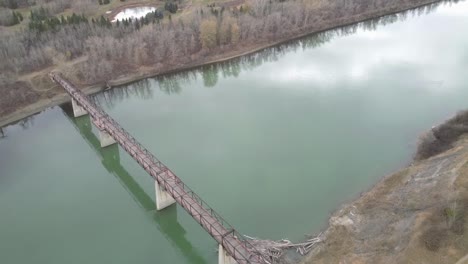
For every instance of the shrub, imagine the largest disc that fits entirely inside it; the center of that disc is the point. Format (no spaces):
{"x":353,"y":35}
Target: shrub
{"x":433,"y":238}
{"x":171,"y":7}
{"x":442,"y":137}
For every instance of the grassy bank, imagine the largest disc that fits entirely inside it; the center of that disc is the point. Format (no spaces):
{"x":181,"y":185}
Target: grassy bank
{"x":442,"y":137}
{"x":417,"y":215}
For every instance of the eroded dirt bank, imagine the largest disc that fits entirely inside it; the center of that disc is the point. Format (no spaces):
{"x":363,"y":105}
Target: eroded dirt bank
{"x":418,"y":215}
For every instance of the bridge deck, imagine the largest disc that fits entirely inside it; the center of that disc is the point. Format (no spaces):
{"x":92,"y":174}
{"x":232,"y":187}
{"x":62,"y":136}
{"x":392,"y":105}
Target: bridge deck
{"x":232,"y":241}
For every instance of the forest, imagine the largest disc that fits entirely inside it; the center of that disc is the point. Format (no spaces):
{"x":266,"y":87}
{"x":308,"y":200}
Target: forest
{"x":64,"y":35}
{"x":111,"y":49}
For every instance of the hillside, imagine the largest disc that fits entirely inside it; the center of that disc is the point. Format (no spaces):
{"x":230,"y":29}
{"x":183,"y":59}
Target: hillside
{"x":417,"y":215}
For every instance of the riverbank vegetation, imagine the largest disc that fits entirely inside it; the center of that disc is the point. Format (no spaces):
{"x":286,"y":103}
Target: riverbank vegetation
{"x":72,"y":37}
{"x":442,"y":137}
{"x":417,"y":215}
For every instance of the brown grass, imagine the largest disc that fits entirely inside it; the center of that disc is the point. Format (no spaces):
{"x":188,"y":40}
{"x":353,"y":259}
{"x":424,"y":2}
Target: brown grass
{"x":442,"y":137}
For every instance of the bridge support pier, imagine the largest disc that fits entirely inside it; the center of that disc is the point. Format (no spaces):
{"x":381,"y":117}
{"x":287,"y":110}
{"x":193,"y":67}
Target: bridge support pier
{"x":78,"y":110}
{"x":163,"y":198}
{"x":105,"y":138}
{"x":224,"y":257}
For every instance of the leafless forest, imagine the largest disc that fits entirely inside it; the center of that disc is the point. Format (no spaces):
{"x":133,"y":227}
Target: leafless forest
{"x":90,"y":50}
{"x":109,"y":50}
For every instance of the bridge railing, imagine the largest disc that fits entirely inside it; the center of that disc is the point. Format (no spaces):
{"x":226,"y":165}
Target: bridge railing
{"x":132,"y":146}
{"x":187,"y":191}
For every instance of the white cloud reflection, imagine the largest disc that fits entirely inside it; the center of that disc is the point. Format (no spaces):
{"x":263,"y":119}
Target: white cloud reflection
{"x":420,"y":50}
{"x":133,"y":12}
{"x":459,"y":9}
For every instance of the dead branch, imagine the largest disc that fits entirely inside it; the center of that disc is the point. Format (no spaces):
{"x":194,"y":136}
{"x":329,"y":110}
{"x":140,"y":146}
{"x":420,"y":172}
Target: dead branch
{"x":272,"y":251}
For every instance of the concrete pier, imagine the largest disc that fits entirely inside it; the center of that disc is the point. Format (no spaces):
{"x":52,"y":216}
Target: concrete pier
{"x":106,"y":139}
{"x":163,"y":198}
{"x":77,"y":109}
{"x":224,"y":257}
{"x":221,"y":231}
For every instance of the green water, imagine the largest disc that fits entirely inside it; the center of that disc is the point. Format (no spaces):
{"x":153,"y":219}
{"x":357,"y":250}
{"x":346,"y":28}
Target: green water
{"x":274,"y":142}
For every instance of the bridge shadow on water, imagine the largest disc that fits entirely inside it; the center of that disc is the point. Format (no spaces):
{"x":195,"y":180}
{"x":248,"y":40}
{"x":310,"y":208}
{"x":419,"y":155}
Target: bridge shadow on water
{"x":166,"y":220}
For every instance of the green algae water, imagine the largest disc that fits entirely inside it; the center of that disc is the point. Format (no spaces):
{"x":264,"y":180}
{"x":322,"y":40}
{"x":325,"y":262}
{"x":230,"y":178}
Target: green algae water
{"x":274,"y":141}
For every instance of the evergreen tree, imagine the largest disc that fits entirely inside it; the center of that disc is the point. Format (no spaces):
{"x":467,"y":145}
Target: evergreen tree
{"x":171,"y":7}
{"x":75,"y":19}
{"x":158,"y":14}
{"x":15,"y":19}
{"x":137,"y":24}
{"x":102,"y":21}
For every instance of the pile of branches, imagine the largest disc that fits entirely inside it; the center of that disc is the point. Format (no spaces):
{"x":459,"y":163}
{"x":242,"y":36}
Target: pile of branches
{"x":274,"y":250}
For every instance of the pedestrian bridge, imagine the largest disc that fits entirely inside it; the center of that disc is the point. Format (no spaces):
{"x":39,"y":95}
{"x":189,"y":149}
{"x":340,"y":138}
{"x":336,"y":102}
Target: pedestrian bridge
{"x":169,"y":189}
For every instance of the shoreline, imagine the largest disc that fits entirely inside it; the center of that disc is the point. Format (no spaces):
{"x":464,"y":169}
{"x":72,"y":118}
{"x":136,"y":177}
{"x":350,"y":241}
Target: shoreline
{"x":375,"y":206}
{"x":61,"y":98}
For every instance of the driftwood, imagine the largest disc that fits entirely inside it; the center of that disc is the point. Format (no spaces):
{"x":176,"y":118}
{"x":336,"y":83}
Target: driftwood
{"x":272,"y":251}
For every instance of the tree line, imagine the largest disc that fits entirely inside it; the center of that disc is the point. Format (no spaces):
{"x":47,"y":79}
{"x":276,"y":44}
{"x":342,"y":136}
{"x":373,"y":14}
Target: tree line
{"x":10,"y":18}
{"x":112,"y":49}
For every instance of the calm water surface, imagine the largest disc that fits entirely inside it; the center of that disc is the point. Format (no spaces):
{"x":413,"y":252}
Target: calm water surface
{"x":274,"y":141}
{"x":133,"y":12}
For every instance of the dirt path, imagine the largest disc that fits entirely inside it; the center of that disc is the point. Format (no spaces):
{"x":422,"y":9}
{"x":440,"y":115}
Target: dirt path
{"x":464,"y":260}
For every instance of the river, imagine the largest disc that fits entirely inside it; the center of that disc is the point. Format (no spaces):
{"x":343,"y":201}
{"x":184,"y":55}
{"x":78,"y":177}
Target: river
{"x":274,"y":141}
